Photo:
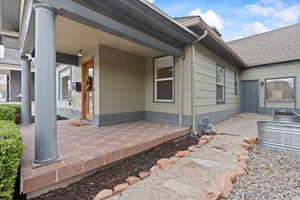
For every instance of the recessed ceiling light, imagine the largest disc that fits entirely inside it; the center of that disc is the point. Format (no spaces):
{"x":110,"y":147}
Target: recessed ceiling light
{"x":80,"y":52}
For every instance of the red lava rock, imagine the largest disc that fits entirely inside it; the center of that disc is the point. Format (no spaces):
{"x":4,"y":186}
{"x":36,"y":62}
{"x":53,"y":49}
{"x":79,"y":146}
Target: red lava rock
{"x":248,"y":141}
{"x":253,"y":140}
{"x":239,"y":170}
{"x":144,"y":175}
{"x":224,"y":184}
{"x":121,"y":187}
{"x":242,"y":165}
{"x":131,"y":180}
{"x":240,"y":151}
{"x":232,"y":174}
{"x":213,"y":193}
{"x":246,"y":146}
{"x":104,"y":194}
{"x":203,"y":142}
{"x":164,"y":162}
{"x":153,"y":169}
{"x":207,"y":137}
{"x":181,"y":154}
{"x":192,"y":148}
{"x":173,"y":158}
{"x":244,"y":158}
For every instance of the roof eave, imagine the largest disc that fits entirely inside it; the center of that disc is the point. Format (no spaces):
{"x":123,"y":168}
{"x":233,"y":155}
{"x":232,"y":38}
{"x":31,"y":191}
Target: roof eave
{"x":203,"y":26}
{"x":184,"y":29}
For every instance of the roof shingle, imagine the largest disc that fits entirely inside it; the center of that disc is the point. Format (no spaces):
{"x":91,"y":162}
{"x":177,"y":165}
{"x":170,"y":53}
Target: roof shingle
{"x":276,"y":46}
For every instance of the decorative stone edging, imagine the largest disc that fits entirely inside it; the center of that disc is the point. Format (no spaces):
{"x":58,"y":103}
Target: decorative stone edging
{"x":221,"y":186}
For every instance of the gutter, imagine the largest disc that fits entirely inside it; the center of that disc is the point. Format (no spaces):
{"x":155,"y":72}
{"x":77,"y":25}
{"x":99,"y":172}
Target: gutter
{"x":193,"y":97}
{"x":202,"y":25}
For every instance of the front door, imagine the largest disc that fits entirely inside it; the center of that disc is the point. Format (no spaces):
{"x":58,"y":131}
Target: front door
{"x":87,"y":89}
{"x":249,"y":96}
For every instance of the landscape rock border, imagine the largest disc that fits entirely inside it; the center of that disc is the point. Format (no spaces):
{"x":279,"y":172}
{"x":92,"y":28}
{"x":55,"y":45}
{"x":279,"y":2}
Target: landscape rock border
{"x":221,"y":187}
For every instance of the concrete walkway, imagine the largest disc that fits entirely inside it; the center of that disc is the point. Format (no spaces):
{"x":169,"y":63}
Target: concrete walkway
{"x":194,"y":175}
{"x":243,"y":125}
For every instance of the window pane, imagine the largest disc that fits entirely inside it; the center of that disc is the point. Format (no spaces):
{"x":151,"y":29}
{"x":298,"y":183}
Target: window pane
{"x":235,"y":84}
{"x":280,"y":89}
{"x":220,"y":75}
{"x":166,"y":72}
{"x":220,"y":93}
{"x":164,"y":90}
{"x":65,"y":85}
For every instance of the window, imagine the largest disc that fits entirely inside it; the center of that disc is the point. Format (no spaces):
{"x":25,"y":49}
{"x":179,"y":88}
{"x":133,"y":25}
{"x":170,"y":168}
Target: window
{"x":280,"y":89}
{"x":164,"y":79}
{"x":235,"y":84}
{"x":220,"y":84}
{"x":65,"y":84}
{"x":3,"y":87}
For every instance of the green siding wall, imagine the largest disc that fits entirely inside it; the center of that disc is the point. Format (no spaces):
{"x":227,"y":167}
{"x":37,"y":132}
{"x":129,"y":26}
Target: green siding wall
{"x":205,"y":82}
{"x":122,"y":82}
{"x":274,"y":71}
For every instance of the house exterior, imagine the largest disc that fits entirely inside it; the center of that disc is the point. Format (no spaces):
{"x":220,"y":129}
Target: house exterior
{"x":10,"y":70}
{"x":272,"y":60}
{"x":117,"y":61}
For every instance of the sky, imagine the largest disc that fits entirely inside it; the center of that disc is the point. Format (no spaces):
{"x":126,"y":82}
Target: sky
{"x":236,"y":18}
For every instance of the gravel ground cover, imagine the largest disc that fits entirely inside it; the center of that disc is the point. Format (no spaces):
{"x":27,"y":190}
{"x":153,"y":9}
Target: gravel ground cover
{"x":272,"y":175}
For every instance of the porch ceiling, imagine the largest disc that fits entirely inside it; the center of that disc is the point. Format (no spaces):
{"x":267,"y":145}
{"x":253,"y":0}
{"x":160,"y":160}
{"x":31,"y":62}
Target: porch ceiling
{"x":72,"y":36}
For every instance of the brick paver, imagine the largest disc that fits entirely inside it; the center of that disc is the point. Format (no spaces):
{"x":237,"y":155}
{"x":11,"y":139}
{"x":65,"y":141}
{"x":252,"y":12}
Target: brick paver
{"x":86,"y":148}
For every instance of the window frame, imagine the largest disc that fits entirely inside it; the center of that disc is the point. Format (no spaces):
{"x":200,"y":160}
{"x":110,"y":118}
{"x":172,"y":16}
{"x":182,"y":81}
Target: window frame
{"x":236,"y":93}
{"x":280,"y":100}
{"x":224,"y":85}
{"x":60,"y":84}
{"x":155,"y":80}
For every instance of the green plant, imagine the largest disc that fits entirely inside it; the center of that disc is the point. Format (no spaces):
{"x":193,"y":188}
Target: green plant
{"x":10,"y":112}
{"x":11,"y":147}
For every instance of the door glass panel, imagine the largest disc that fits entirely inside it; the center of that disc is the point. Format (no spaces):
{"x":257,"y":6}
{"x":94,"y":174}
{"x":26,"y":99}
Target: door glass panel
{"x":90,"y":80}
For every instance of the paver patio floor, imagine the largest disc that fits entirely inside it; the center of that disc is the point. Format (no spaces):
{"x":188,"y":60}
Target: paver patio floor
{"x":83,"y":149}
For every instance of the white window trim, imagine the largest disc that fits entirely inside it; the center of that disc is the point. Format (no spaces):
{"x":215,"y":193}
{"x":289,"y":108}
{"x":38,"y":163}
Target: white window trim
{"x":156,"y":80}
{"x":222,"y":84}
{"x":62,"y":72}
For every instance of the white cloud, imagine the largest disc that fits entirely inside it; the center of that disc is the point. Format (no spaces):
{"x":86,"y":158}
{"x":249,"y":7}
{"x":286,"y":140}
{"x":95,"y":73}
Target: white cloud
{"x":256,"y":28}
{"x":210,"y":17}
{"x":259,"y":10}
{"x":288,"y":15}
{"x":276,"y":10}
{"x":151,"y":1}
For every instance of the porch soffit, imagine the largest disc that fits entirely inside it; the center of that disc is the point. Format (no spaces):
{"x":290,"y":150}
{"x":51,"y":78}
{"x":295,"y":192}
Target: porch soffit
{"x":142,"y":32}
{"x":72,"y":36}
{"x":136,"y":14}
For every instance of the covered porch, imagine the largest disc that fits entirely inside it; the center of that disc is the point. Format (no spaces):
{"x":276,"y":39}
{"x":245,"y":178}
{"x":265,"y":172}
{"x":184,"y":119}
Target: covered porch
{"x":115,"y":45}
{"x":84,"y":149}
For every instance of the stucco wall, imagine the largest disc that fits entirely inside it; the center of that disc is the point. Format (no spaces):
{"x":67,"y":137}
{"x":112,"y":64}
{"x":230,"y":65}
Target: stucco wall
{"x":274,"y":71}
{"x":122,"y":85}
{"x":205,"y":87}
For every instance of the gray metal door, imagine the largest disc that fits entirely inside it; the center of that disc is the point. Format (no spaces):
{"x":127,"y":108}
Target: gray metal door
{"x":249,"y":96}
